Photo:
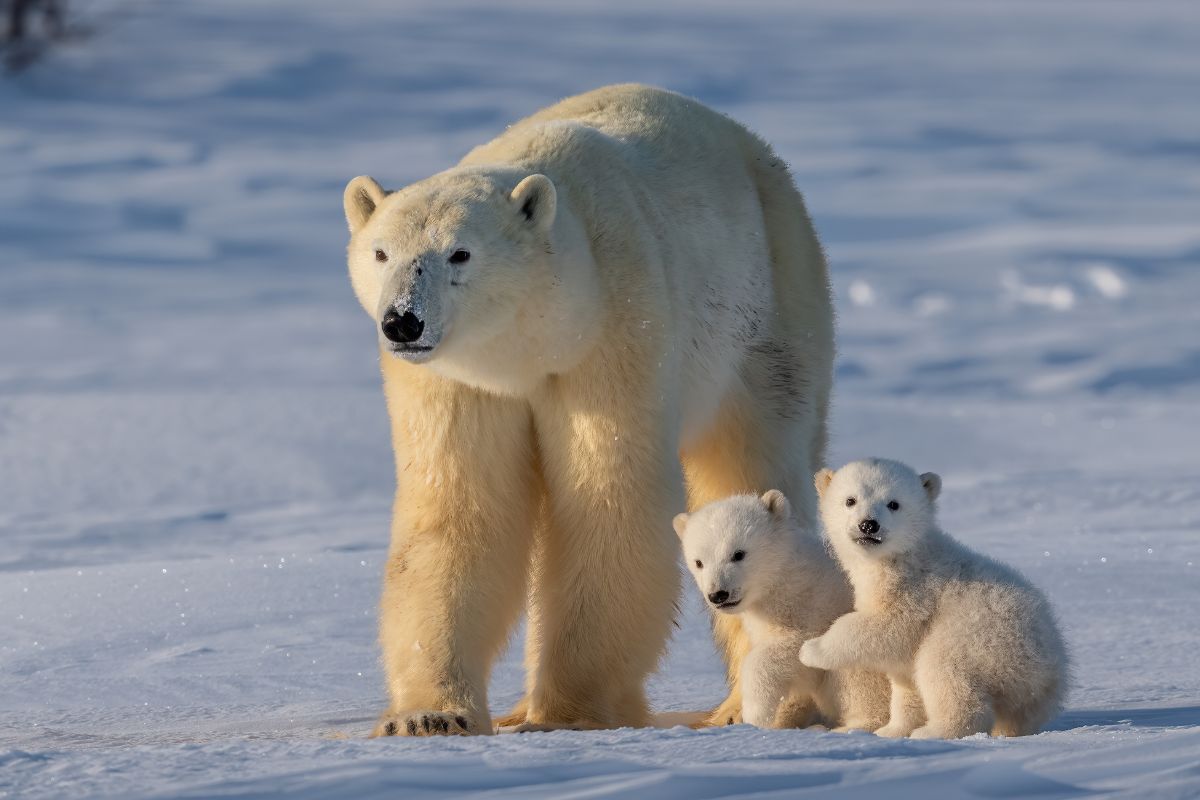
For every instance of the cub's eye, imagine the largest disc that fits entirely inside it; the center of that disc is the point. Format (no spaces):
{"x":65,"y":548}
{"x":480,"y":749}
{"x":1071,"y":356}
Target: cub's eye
{"x":893,"y":506}
{"x":850,"y":501}
{"x":739,"y":555}
{"x":699,"y":564}
{"x":460,"y":257}
{"x":380,"y":255}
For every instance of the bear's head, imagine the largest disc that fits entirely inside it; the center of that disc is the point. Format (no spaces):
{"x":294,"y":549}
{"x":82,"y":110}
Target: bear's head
{"x":875,"y":508}
{"x":460,"y":270}
{"x":735,"y":547}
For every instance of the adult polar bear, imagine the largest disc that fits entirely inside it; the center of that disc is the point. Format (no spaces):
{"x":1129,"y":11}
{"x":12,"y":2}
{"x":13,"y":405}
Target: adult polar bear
{"x":621,"y":290}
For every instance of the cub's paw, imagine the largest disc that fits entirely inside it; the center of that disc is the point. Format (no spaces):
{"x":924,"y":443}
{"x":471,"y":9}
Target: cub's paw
{"x":812,"y":654}
{"x":427,"y":723}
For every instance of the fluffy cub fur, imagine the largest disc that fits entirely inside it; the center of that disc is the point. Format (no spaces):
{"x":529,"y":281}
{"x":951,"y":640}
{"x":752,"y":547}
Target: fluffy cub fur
{"x":750,"y":559}
{"x":969,"y":644}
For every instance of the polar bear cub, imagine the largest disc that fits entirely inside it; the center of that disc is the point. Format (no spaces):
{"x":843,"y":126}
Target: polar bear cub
{"x":969,"y":644}
{"x":749,"y":558}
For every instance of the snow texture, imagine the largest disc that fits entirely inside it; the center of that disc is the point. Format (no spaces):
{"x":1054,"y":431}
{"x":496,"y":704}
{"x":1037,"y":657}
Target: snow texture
{"x":195,"y":470}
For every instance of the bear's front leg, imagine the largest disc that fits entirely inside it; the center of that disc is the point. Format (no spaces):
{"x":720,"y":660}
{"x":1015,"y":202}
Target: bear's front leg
{"x":769,"y":676}
{"x":461,"y":536}
{"x":859,"y":639}
{"x":607,"y":577}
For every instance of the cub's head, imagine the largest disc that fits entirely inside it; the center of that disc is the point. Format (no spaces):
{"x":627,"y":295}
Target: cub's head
{"x":875,"y":507}
{"x":444,"y":265}
{"x":734,"y":546}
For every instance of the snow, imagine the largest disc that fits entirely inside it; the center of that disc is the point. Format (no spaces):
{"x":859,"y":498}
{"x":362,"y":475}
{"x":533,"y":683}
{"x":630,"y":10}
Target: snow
{"x":194,"y":464}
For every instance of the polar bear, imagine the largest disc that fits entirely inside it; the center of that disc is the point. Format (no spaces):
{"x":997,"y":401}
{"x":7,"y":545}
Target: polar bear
{"x":622,"y":290}
{"x":749,"y":558}
{"x":969,"y":644}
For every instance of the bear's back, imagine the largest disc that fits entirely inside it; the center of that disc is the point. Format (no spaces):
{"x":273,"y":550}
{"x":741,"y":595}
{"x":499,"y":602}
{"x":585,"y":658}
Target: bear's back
{"x":648,"y":128}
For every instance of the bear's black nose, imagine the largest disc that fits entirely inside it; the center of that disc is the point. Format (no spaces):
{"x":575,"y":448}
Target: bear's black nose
{"x":869,"y":526}
{"x":401,"y":328}
{"x":716,"y":598}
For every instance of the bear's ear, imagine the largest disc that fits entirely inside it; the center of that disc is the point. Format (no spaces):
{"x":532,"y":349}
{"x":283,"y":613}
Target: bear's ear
{"x":777,"y":503}
{"x":360,"y":199}
{"x":932,"y":483}
{"x":822,"y":480}
{"x":680,"y":523}
{"x":536,"y":201}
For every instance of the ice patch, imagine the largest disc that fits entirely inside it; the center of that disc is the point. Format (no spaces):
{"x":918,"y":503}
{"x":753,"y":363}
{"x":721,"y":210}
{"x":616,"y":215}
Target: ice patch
{"x":1107,"y":281}
{"x":861,"y":293}
{"x":1058,"y":297}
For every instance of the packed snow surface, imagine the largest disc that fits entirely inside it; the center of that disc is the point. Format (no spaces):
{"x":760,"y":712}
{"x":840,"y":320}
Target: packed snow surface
{"x":195,"y":469}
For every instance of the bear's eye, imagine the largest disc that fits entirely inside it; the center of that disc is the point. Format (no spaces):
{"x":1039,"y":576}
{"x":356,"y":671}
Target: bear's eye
{"x":699,"y":564}
{"x":380,"y":255}
{"x":739,"y":555}
{"x":893,"y":506}
{"x":850,"y":501}
{"x":460,"y":257}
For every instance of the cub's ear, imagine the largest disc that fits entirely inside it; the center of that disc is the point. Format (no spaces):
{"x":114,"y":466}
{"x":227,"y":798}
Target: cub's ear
{"x":536,"y":201}
{"x":932,"y":483}
{"x":360,"y":199}
{"x":680,"y":523}
{"x":777,"y":503}
{"x":822,"y":480}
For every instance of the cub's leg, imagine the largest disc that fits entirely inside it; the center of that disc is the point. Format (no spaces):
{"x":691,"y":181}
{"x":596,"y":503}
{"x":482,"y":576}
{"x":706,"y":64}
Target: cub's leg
{"x":877,"y":641}
{"x":771,"y":679}
{"x":861,"y":697}
{"x":907,"y":711}
{"x":460,"y":547}
{"x":956,"y":705}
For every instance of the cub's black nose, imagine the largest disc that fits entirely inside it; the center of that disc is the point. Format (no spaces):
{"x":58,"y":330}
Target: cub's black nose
{"x":869,"y":526}
{"x":401,"y":328}
{"x":716,"y":598}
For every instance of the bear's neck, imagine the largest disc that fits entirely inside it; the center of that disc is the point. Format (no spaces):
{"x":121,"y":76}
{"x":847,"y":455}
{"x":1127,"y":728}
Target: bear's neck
{"x":878,"y":581}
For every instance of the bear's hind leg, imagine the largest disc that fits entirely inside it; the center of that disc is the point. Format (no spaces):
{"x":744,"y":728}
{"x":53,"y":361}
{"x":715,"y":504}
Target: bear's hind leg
{"x":956,"y":706}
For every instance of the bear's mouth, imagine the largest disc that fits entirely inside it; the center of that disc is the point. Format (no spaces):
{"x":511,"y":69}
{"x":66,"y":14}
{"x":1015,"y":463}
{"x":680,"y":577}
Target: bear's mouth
{"x":868,"y":540}
{"x":412,"y":353}
{"x":729,"y":604}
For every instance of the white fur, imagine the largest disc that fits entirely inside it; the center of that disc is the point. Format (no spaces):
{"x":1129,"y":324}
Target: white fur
{"x":786,"y":588}
{"x":969,"y":644}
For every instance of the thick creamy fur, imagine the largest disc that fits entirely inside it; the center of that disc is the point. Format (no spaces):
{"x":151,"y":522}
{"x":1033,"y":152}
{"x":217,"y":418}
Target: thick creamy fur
{"x":969,"y":644}
{"x":644,"y":299}
{"x":786,"y":588}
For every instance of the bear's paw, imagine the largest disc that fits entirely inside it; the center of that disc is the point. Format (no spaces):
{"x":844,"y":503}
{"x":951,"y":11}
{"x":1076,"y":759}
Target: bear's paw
{"x":427,"y":723}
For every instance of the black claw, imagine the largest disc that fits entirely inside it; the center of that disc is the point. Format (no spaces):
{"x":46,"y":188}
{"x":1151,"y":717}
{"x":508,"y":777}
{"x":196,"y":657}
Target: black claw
{"x":730,"y":722}
{"x":425,"y":723}
{"x":462,"y":723}
{"x":389,"y":729}
{"x":441,"y":724}
{"x":412,"y":727}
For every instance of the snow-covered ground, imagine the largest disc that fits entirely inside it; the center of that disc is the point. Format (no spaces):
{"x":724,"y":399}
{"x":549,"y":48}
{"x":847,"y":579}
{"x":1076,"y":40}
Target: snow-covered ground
{"x":194,"y":463}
